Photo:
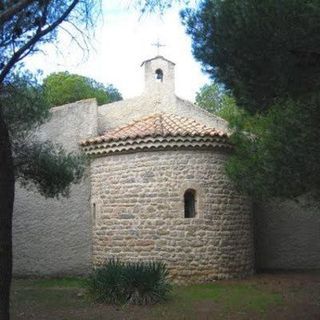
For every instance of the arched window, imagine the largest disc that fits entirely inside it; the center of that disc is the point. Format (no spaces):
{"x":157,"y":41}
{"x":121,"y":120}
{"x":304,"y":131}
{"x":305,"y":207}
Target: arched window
{"x":159,"y":75}
{"x":190,"y":203}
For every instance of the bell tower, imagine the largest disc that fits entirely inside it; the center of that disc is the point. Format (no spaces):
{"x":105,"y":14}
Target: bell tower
{"x":159,"y":76}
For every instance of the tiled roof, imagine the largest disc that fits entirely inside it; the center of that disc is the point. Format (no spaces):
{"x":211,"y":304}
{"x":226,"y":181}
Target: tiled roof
{"x":161,"y":124}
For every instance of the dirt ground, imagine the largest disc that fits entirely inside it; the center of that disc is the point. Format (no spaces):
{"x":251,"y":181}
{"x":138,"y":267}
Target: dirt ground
{"x":300,"y":293}
{"x":277,"y":296}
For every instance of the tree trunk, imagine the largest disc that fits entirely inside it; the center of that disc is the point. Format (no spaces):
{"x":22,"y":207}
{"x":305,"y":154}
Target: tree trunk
{"x":6,"y":208}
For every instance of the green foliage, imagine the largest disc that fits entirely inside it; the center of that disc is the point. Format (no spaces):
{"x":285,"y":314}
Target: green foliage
{"x":39,"y":163}
{"x":49,"y":167}
{"x":238,"y":296}
{"x":261,"y":50}
{"x":65,"y":282}
{"x":251,"y":298}
{"x":213,"y":98}
{"x":25,"y":25}
{"x":277,"y":155}
{"x":129,"y":283}
{"x":62,"y":87}
{"x":24,"y":104}
{"x":268,"y":54}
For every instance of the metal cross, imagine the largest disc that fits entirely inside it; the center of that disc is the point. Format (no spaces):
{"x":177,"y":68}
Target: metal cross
{"x":158,"y":45}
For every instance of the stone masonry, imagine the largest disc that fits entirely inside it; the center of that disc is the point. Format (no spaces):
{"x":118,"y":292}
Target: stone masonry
{"x":141,"y":171}
{"x":138,"y":214}
{"x":146,"y":154}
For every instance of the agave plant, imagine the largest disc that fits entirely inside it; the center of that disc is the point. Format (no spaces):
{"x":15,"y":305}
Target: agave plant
{"x":118,"y":282}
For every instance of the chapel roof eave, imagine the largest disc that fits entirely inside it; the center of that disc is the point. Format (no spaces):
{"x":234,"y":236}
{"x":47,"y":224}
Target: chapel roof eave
{"x":102,"y":139}
{"x":159,"y":143}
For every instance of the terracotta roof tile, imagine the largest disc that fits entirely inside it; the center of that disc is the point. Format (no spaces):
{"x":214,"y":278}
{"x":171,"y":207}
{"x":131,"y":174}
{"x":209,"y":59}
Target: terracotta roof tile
{"x":161,"y":124}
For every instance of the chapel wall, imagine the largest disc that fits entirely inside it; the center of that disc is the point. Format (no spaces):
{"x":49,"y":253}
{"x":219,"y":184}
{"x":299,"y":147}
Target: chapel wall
{"x":138,"y":214}
{"x":123,"y":112}
{"x":53,"y":236}
{"x":287,"y":234}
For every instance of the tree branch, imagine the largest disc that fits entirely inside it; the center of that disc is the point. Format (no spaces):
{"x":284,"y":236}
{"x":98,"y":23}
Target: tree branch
{"x":14,"y":9}
{"x":39,"y":34}
{"x":73,"y":38}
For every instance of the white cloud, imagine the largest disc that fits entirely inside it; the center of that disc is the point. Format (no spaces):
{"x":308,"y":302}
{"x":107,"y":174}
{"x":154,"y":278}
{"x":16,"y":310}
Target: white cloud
{"x":121,"y":43}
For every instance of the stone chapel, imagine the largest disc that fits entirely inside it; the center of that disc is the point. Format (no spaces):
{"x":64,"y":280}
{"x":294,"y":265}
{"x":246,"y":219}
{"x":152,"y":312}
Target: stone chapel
{"x":156,"y":189}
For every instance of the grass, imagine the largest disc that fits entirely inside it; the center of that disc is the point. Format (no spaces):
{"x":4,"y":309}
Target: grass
{"x":66,"y":282}
{"x":224,"y":299}
{"x":234,"y":296}
{"x":63,"y":299}
{"x":48,"y":293}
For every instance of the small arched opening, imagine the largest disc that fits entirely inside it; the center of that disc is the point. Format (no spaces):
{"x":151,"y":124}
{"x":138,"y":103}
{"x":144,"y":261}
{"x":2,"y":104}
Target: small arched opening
{"x":190,"y":203}
{"x":159,"y":75}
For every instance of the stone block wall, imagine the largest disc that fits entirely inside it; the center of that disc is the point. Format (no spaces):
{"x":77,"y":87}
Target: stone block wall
{"x":138,"y":214}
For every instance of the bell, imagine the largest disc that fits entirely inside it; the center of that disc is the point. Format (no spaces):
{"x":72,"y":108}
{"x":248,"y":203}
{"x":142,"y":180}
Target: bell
{"x":159,"y":75}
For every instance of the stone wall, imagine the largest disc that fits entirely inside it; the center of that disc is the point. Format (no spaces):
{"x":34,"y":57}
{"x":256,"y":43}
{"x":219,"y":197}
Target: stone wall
{"x":287,"y":235}
{"x":122,"y":112}
{"x":157,"y":97}
{"x":153,"y":85}
{"x":138,"y":214}
{"x":53,"y":237}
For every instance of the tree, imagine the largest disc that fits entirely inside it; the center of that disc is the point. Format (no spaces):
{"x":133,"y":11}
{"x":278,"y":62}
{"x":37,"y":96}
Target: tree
{"x":25,"y":25}
{"x":62,"y":87}
{"x":36,"y":163}
{"x":41,"y":163}
{"x":260,"y":50}
{"x":215,"y":99}
{"x":268,"y":54}
{"x":277,"y":154}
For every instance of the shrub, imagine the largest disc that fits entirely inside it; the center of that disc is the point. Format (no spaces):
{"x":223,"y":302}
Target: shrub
{"x":118,"y":282}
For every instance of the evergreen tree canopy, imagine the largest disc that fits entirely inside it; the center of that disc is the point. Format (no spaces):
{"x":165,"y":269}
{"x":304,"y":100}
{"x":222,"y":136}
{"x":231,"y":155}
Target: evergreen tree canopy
{"x":277,"y":154}
{"x":40,"y":163}
{"x":267,"y":53}
{"x":62,"y":87}
{"x":261,"y":50}
{"x":25,"y":25}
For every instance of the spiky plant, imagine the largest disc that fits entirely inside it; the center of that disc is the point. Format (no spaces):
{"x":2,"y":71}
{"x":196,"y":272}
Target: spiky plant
{"x":118,"y":282}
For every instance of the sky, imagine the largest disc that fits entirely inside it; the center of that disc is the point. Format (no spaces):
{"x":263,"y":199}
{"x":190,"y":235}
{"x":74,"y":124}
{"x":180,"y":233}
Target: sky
{"x":123,"y":40}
